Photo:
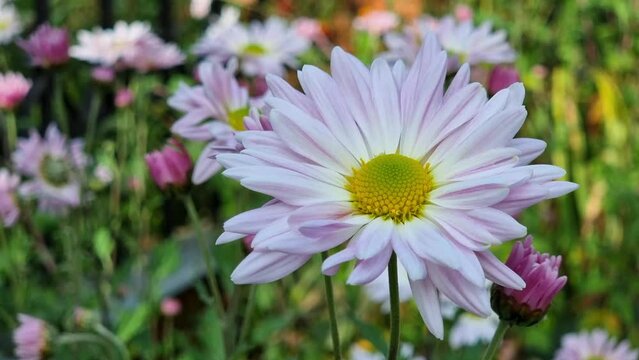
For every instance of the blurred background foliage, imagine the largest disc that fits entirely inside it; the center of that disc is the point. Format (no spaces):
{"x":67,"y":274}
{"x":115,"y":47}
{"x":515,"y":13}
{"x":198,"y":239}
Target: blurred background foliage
{"x":577,"y":59}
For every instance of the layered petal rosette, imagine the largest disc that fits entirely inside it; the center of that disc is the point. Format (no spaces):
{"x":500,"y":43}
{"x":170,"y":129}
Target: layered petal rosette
{"x":388,"y":160}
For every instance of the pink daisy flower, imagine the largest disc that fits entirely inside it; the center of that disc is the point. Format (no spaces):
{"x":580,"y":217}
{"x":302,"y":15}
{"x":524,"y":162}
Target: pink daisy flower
{"x":214,"y":111}
{"x":53,"y":165}
{"x":384,"y":160}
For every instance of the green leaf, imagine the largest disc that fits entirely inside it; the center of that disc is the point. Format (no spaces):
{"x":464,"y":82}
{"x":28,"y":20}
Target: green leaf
{"x":103,"y":246}
{"x":133,"y":322}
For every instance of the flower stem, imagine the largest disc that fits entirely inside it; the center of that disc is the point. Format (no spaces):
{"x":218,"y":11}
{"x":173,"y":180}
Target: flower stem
{"x":496,"y":341}
{"x":328,"y":285}
{"x":113,"y":340}
{"x":92,"y":120}
{"x":12,"y":132}
{"x":195,"y":219}
{"x":76,"y":338}
{"x":393,"y":286}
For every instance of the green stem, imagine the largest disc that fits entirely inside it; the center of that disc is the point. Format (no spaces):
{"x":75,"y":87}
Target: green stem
{"x":113,"y":340}
{"x":195,"y":219}
{"x":92,"y":120}
{"x":491,"y":351}
{"x":393,"y":287}
{"x":12,"y":130}
{"x":58,"y":98}
{"x":330,"y":300}
{"x":71,"y":339}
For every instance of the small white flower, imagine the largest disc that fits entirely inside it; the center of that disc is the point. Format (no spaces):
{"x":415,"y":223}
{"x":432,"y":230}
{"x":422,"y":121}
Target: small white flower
{"x":10,"y":23}
{"x":471,"y":329}
{"x":261,"y":48}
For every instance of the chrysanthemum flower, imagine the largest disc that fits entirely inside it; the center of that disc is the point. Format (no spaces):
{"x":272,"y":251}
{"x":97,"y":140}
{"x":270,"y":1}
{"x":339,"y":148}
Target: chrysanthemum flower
{"x":54,"y":164}
{"x":13,"y":89}
{"x":10,"y":23}
{"x":9,"y":210}
{"x":594,"y":345}
{"x":132,"y":46}
{"x":384,"y":160}
{"x":213,"y":111}
{"x":47,"y":46}
{"x":261,"y":48}
{"x":464,"y":42}
{"x":107,"y":47}
{"x":31,"y":338}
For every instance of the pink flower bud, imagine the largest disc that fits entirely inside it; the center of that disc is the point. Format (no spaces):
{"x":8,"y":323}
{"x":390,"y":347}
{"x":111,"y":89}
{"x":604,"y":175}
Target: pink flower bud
{"x":48,"y":46}
{"x":170,"y":307}
{"x":13,"y":89}
{"x":170,"y":166}
{"x":463,"y":12}
{"x":31,"y":338}
{"x":103,"y":74}
{"x":376,"y":22}
{"x":541,"y":273}
{"x":502,"y":77}
{"x":309,"y":29}
{"x":124,"y":97}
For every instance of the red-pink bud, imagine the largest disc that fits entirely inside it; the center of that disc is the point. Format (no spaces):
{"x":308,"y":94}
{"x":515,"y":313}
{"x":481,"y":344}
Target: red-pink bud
{"x":463,"y":12}
{"x":48,"y":46}
{"x":170,"y":307}
{"x":502,"y":77}
{"x":170,"y":166}
{"x":541,"y":273}
{"x":124,"y":97}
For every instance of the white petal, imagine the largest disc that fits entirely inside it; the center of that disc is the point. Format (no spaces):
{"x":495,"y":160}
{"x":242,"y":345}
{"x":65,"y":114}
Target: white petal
{"x":263,"y":267}
{"x":372,"y":238}
{"x":498,"y":272}
{"x":427,"y":300}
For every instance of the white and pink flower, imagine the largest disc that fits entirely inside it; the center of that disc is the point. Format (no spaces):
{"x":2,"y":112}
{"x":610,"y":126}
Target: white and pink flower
{"x":464,"y":42}
{"x":261,"y":47}
{"x":385,"y":161}
{"x":126,"y":46}
{"x":214,"y":111}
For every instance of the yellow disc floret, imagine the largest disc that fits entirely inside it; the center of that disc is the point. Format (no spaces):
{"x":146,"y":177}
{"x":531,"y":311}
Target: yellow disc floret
{"x":391,"y":186}
{"x":236,"y":118}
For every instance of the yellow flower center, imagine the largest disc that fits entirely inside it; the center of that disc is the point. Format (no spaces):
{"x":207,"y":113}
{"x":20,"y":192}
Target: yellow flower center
{"x":236,"y":118}
{"x":4,"y":25}
{"x":254,"y":49}
{"x":391,"y":186}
